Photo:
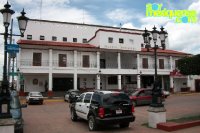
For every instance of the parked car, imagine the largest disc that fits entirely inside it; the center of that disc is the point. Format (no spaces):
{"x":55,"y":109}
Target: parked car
{"x":103,"y":108}
{"x":71,"y":95}
{"x":165,"y":93}
{"x":35,"y":97}
{"x":142,"y":97}
{"x":16,"y":112}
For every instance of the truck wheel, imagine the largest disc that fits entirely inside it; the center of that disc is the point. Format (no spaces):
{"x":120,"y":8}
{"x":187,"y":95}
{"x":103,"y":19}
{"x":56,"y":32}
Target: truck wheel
{"x":73,"y":115}
{"x":91,"y":123}
{"x":124,"y":125}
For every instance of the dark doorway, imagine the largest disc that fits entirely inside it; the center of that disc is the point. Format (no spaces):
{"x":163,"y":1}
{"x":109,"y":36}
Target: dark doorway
{"x":147,"y":81}
{"x":62,"y":84}
{"x":197,"y":85}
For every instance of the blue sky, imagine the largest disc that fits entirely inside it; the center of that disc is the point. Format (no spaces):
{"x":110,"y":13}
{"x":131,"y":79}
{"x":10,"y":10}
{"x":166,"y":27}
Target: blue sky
{"x":130,"y":13}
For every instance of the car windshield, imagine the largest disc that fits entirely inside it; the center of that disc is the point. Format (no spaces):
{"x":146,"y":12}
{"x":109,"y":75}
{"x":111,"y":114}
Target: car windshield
{"x":35,"y":94}
{"x":115,"y":98}
{"x":75,"y":93}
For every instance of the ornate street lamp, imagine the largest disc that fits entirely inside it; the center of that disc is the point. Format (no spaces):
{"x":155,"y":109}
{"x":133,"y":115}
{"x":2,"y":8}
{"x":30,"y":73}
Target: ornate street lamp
{"x":4,"y":92}
{"x":156,"y":110}
{"x":156,"y":96}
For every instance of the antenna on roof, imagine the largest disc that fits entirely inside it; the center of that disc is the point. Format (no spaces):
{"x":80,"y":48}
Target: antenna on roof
{"x":120,"y":26}
{"x":40,"y":9}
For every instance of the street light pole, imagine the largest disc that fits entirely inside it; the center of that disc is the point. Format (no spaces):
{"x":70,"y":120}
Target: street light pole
{"x":156,"y":110}
{"x":4,"y":92}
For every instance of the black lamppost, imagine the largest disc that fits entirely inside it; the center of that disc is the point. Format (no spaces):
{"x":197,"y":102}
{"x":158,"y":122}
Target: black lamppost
{"x":5,"y":94}
{"x":156,"y":94}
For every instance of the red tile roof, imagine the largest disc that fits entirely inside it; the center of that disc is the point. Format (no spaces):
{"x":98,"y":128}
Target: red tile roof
{"x":52,"y":43}
{"x":167,"y":51}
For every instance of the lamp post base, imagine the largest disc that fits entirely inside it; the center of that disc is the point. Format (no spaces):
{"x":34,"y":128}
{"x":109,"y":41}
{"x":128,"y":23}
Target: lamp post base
{"x":156,"y":115}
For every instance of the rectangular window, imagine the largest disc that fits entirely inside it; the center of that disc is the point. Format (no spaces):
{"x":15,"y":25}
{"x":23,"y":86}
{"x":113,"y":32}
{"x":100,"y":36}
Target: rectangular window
{"x":84,"y":40}
{"x":74,"y":39}
{"x":62,"y":60}
{"x":29,"y":37}
{"x":42,"y":37}
{"x":112,"y":80}
{"x":54,"y":38}
{"x":110,"y":40}
{"x":37,"y":59}
{"x":86,"y":61}
{"x":161,"y":63}
{"x":121,"y":40}
{"x":64,"y":39}
{"x":145,"y":63}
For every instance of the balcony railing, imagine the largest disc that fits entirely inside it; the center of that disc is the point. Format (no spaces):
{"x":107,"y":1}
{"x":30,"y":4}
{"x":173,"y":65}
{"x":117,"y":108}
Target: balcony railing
{"x":67,"y":64}
{"x":34,"y":63}
{"x":152,"y":66}
{"x":91,"y":65}
{"x":127,"y":66}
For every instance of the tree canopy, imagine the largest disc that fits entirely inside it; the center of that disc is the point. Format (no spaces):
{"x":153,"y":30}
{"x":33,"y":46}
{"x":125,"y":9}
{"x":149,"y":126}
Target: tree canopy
{"x":189,"y":65}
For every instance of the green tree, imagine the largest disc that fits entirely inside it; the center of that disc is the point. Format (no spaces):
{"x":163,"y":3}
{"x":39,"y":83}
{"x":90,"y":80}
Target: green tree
{"x":189,"y":65}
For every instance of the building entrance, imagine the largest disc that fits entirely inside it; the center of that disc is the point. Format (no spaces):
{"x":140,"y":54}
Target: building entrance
{"x":62,"y":84}
{"x":197,"y":85}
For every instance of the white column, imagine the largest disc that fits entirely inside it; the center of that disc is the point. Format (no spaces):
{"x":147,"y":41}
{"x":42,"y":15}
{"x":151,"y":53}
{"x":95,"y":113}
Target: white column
{"x":188,"y":82}
{"x":75,"y":59}
{"x":171,"y":63}
{"x":50,"y":70}
{"x":119,"y":82}
{"x":75,"y":81}
{"x":138,"y":62}
{"x":98,"y":61}
{"x":75,"y":70}
{"x":138,"y":82}
{"x":98,"y":82}
{"x":171,"y":83}
{"x":119,"y":60}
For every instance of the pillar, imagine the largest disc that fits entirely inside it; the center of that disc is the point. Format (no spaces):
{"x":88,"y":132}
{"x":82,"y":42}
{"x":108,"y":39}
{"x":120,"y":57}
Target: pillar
{"x":138,"y":81}
{"x":138,"y":62}
{"x":119,"y":60}
{"x":50,"y":92}
{"x":171,"y":63}
{"x":119,"y":82}
{"x":188,"y":83}
{"x":98,"y":82}
{"x":75,"y":81}
{"x":171,"y":84}
{"x":98,"y":61}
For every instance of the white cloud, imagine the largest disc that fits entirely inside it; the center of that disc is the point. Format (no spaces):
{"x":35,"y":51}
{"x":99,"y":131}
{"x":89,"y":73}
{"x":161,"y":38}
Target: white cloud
{"x":195,"y":6}
{"x":129,"y":25}
{"x":69,"y":14}
{"x":120,"y":15}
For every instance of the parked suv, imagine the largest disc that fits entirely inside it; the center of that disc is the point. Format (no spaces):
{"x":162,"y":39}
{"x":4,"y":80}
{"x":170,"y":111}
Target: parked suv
{"x":103,"y":108}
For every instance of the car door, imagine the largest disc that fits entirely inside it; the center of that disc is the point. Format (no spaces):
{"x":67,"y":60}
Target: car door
{"x":86,"y":105}
{"x":78,"y":105}
{"x":148,"y":96}
{"x":141,"y":98}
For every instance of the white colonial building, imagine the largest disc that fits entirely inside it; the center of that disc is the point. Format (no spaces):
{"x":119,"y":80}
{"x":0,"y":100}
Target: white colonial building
{"x":57,"y":56}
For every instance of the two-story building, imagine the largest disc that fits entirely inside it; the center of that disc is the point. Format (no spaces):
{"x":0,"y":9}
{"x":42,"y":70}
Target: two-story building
{"x":57,"y":56}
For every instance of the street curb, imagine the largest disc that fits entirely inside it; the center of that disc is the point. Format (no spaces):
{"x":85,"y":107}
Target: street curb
{"x":173,"y":126}
{"x":186,"y":93}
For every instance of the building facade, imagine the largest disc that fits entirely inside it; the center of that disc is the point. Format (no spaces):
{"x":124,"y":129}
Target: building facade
{"x":57,"y":56}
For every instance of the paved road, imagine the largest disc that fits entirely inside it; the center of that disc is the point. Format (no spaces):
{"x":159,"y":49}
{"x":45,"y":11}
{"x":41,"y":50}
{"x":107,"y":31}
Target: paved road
{"x":54,"y":117}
